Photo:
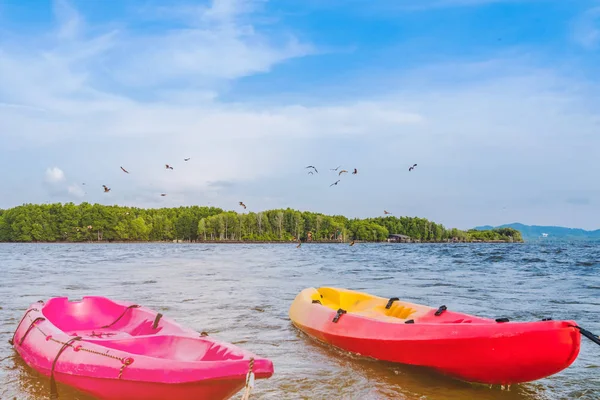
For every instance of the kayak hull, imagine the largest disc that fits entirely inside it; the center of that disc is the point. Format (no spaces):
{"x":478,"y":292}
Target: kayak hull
{"x":107,"y":389}
{"x":113,"y":350}
{"x":463,"y":346}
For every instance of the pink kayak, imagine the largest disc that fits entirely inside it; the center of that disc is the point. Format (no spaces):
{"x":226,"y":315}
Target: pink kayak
{"x":114,"y":350}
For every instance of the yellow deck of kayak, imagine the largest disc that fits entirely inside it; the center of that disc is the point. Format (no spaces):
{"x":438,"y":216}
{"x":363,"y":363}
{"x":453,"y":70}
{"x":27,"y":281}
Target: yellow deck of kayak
{"x":364,"y":304}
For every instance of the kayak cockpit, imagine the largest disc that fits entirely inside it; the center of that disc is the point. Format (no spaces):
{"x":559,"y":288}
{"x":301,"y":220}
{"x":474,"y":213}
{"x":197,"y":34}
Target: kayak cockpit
{"x":176,"y":348}
{"x":367,"y":305}
{"x":99,"y":317}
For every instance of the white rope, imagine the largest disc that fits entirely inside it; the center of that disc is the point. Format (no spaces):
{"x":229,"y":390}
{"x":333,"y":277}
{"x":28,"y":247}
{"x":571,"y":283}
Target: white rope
{"x":249,"y":381}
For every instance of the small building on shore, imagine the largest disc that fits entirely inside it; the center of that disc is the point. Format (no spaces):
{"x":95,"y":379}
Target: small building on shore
{"x":396,"y":238}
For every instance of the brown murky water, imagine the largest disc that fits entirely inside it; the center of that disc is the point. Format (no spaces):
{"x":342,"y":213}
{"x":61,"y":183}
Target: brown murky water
{"x":241,"y":294}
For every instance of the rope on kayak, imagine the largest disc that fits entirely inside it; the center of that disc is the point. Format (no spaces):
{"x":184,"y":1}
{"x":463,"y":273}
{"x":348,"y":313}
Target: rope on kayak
{"x":588,"y":334}
{"x":12,"y":341}
{"x":390,"y":302}
{"x":440,"y":310}
{"x":121,"y":316}
{"x":126,"y":362}
{"x":30,"y":328}
{"x":53,"y":388}
{"x":339,"y":313}
{"x":249,"y":380}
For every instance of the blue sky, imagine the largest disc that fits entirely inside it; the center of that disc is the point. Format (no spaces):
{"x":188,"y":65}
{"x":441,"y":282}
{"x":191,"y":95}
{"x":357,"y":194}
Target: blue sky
{"x":496,"y":101}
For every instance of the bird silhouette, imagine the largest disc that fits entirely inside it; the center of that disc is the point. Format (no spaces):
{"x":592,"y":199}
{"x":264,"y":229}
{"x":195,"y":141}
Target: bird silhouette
{"x":310,"y":166}
{"x":163,"y":194}
{"x":167,"y":166}
{"x":355,"y":171}
{"x":342,"y":171}
{"x":106,"y":189}
{"x":411,"y":168}
{"x":187,"y":159}
{"x":310,"y":173}
{"x":335,"y":169}
{"x":334,"y":183}
{"x":124,"y":170}
{"x":242,"y":204}
{"x":386,"y":212}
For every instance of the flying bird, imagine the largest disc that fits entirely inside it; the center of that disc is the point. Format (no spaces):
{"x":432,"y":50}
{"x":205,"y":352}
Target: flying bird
{"x":335,"y":169}
{"x":167,"y":166}
{"x":310,"y":166}
{"x":352,"y":244}
{"x":163,"y":194}
{"x":355,"y":171}
{"x":242,"y":204}
{"x":310,"y":173}
{"x":342,"y":171}
{"x":187,"y":159}
{"x":124,"y":170}
{"x":106,"y":189}
{"x":386,"y":212}
{"x":411,"y":168}
{"x":334,"y":183}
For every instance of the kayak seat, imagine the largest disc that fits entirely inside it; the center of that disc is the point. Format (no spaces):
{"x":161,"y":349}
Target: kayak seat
{"x":398,"y":310}
{"x":96,"y":317}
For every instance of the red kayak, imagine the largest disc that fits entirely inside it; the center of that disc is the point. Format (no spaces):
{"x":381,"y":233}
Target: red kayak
{"x":466,"y":347}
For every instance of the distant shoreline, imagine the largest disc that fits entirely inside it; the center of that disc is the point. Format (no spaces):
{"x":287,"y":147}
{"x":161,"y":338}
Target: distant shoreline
{"x":255,"y":242}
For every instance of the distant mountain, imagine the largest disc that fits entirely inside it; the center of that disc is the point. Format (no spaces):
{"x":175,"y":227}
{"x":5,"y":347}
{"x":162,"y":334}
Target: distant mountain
{"x":530,"y":232}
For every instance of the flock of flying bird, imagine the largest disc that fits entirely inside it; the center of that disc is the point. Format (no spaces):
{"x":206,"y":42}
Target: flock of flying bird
{"x":345,"y":171}
{"x":333,"y":169}
{"x":241,"y":203}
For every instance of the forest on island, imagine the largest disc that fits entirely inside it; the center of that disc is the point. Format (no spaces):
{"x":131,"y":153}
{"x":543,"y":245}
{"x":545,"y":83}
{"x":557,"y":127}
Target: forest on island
{"x":95,"y":222}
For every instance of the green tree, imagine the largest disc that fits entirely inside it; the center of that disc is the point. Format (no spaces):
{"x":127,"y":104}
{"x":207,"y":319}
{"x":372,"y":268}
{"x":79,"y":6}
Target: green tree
{"x":86,"y":222}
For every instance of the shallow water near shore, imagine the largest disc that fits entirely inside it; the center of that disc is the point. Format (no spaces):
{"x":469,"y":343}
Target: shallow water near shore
{"x":241,"y":293}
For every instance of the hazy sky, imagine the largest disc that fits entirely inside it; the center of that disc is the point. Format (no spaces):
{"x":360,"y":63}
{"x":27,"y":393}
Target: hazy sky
{"x":498,"y":102}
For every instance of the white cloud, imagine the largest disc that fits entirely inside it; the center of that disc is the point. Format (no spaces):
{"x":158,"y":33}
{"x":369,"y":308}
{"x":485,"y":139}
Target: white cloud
{"x":507,"y":131}
{"x":54,"y":175}
{"x":70,"y":22}
{"x":76,"y":190}
{"x":587,"y":28}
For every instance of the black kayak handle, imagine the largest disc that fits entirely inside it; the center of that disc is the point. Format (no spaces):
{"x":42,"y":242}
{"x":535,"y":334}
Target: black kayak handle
{"x":390,"y":302}
{"x":338,"y":315}
{"x":440,"y":311}
{"x":588,"y":334}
